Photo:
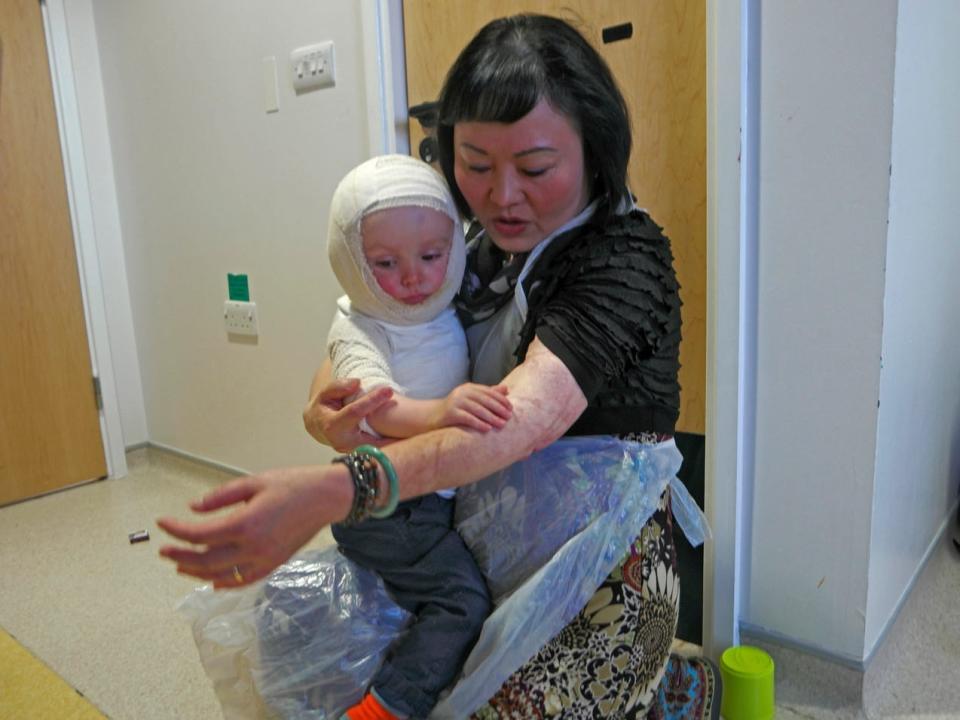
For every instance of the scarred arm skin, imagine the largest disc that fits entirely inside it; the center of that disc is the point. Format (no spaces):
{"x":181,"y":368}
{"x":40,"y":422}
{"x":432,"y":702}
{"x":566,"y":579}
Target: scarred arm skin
{"x":278,"y":511}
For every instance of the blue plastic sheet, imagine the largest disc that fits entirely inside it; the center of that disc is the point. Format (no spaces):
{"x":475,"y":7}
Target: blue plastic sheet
{"x":546,"y":531}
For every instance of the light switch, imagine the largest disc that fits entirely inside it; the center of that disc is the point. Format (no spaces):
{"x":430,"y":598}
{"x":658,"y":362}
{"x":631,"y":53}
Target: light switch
{"x":312,"y":67}
{"x":271,"y":100}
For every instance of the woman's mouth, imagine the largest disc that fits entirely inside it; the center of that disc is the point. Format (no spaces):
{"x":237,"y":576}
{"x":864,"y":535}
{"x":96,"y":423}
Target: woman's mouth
{"x":509,"y":227}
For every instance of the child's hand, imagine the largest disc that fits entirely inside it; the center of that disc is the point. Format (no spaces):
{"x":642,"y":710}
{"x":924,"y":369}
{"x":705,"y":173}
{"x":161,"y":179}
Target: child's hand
{"x":480,"y":407}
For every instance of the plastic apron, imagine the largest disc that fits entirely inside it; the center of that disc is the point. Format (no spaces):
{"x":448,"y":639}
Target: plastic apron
{"x":546,"y":531}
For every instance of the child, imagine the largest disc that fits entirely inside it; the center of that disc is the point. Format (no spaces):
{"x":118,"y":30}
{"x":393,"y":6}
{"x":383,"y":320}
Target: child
{"x":396,"y":246}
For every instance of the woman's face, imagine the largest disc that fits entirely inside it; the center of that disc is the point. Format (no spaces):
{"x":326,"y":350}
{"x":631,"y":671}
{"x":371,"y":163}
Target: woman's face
{"x":522,"y":180}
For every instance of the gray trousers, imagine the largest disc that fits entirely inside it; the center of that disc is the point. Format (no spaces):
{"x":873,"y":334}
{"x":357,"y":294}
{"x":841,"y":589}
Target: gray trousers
{"x":430,"y":573}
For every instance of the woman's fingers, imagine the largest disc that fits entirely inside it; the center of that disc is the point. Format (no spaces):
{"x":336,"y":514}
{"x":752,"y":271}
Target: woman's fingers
{"x":337,"y":390}
{"x":218,"y":531}
{"x":213,"y":560}
{"x":228,"y":579}
{"x":233,"y":492}
{"x":354,"y":411}
{"x":332,"y":422}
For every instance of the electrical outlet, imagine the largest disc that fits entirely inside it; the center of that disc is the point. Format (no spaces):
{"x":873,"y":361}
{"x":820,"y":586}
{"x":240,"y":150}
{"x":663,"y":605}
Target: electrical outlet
{"x":240,"y":318}
{"x":312,"y":67}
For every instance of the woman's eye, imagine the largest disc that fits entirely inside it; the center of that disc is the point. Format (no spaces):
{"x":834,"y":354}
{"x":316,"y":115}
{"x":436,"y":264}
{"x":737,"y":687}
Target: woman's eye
{"x":534,"y":172}
{"x":478,"y":168}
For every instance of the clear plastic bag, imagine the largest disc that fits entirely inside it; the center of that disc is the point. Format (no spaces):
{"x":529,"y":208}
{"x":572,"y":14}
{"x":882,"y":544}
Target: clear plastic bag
{"x":545,"y":531}
{"x":304,"y":643}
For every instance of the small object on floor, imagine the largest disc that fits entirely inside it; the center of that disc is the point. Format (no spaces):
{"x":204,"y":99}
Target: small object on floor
{"x":748,"y":678}
{"x":139,"y":536}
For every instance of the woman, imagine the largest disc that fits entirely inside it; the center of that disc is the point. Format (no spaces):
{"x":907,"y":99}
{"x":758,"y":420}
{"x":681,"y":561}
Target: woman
{"x":571,"y":298}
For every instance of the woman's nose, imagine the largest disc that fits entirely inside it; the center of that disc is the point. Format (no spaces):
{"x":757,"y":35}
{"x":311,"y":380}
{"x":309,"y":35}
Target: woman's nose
{"x":504,"y":189}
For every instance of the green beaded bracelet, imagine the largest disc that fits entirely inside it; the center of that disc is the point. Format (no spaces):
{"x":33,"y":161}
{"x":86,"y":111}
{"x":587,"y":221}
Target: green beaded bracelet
{"x":378,"y":455}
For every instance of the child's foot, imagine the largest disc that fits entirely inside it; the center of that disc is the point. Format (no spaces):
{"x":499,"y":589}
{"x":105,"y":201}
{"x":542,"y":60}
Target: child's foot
{"x":369,"y":709}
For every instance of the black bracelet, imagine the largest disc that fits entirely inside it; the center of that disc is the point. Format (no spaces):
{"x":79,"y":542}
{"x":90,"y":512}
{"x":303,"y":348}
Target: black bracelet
{"x":363,"y":472}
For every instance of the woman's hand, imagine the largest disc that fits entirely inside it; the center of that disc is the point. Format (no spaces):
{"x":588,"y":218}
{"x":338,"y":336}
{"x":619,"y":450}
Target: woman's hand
{"x":281,"y":511}
{"x":337,"y":424}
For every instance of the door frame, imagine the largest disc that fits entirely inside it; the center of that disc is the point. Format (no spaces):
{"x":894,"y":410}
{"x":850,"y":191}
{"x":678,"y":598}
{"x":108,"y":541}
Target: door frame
{"x":84,"y":235}
{"x":732,"y":177}
{"x":732,"y":115}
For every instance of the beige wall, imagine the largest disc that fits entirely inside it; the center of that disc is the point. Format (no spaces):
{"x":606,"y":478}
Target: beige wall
{"x":209,"y":183}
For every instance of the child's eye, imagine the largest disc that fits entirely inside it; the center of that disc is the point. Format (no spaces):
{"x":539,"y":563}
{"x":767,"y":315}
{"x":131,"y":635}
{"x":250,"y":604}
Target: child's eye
{"x":383,"y":264}
{"x":430,"y":257}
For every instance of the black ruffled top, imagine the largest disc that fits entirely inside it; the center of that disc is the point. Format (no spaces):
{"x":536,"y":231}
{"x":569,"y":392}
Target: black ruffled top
{"x":605,"y":300}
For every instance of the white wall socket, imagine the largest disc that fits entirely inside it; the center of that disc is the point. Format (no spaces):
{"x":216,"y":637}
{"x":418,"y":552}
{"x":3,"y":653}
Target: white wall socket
{"x":240,"y":318}
{"x":312,"y":67}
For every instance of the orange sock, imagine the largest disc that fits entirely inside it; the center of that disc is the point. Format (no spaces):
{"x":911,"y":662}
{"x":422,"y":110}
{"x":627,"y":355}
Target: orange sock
{"x":370,"y":709}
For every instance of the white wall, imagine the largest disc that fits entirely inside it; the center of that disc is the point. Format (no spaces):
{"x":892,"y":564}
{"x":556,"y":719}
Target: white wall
{"x":918,"y":434}
{"x":207,"y":184}
{"x":825,"y":125}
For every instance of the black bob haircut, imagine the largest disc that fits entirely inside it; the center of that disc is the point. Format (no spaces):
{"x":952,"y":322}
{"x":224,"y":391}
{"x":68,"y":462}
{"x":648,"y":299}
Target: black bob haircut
{"x":514,"y":62}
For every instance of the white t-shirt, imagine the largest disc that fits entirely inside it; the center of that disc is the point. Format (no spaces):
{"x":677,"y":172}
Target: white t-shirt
{"x":423,"y":362}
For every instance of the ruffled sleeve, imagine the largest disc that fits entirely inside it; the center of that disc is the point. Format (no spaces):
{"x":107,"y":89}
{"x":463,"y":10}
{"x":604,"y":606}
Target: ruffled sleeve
{"x":606,"y":302}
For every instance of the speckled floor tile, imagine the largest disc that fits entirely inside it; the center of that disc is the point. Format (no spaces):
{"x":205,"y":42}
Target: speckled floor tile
{"x":98,"y":610}
{"x":916,"y":671}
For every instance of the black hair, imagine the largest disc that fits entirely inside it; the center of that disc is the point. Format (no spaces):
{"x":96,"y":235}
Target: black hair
{"x":510,"y":65}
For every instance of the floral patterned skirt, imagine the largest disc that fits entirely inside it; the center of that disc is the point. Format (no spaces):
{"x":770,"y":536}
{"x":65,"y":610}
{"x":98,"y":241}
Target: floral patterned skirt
{"x":609,"y":660}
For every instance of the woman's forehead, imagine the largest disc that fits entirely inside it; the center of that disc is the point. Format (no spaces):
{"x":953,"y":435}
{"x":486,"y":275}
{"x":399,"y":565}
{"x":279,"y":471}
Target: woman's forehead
{"x":542,"y":127}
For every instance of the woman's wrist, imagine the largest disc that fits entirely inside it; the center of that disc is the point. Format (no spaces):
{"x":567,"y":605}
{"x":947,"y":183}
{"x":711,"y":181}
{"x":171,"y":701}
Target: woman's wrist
{"x":373,"y":480}
{"x":335,"y":492}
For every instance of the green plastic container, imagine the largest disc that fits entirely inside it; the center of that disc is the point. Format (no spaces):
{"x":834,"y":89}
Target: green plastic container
{"x":747,"y":684}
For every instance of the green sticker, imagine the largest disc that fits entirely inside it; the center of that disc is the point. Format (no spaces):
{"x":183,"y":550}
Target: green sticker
{"x":238,"y":287}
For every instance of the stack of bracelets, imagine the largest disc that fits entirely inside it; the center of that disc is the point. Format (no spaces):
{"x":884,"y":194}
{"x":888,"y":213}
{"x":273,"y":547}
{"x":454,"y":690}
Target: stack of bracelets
{"x":362,"y":464}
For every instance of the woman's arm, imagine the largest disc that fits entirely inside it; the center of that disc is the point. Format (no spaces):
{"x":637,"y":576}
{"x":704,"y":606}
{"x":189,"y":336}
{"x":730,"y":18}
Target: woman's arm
{"x":546,"y":401}
{"x":284,"y":508}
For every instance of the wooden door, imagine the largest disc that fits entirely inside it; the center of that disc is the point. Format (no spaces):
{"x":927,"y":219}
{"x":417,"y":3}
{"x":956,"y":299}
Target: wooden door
{"x":49,"y":422}
{"x":661,"y":70}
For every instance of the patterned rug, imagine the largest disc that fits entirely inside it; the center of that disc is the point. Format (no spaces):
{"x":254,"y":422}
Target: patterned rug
{"x":690,"y":690}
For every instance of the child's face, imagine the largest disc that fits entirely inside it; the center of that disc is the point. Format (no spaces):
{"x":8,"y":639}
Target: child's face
{"x":407,"y":248}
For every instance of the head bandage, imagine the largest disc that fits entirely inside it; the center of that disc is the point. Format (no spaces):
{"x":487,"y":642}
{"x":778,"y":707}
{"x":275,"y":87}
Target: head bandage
{"x":384,"y":182}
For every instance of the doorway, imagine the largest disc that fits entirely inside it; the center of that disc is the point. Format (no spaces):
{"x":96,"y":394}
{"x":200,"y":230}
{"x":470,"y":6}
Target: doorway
{"x":50,"y":434}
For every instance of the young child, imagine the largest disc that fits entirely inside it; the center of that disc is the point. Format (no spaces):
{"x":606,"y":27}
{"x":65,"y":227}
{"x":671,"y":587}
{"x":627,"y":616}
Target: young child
{"x":396,"y":246}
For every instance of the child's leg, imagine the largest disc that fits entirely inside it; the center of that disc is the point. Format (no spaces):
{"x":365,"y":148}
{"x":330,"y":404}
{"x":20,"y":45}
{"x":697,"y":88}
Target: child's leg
{"x":432,"y":574}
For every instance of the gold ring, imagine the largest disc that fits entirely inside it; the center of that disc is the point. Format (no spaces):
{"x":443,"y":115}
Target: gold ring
{"x":237,"y":575}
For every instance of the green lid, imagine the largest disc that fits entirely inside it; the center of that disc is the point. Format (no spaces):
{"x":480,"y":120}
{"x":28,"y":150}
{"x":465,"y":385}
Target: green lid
{"x":746,"y":662}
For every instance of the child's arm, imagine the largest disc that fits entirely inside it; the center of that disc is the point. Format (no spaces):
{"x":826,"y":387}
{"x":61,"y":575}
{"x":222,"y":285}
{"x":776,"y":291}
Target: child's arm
{"x":480,"y":407}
